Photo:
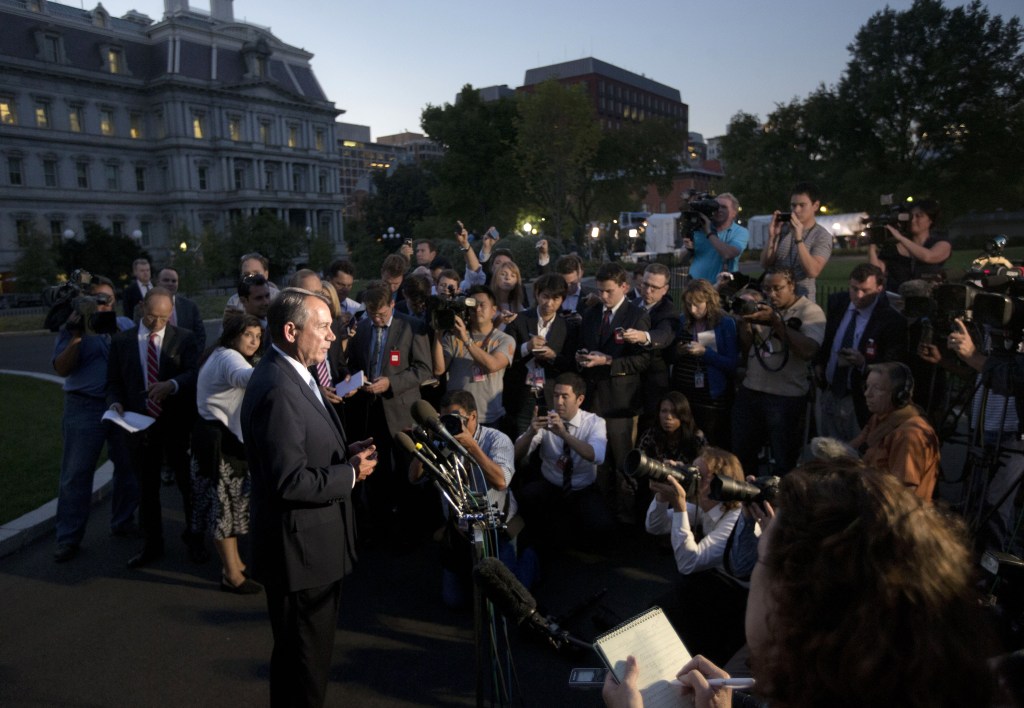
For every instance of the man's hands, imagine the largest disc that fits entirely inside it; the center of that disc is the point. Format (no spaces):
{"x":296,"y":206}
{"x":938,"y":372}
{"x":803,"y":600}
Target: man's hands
{"x":592,"y":359}
{"x":670,"y":492}
{"x":462,"y":236}
{"x":960,"y":342}
{"x":363,"y":458}
{"x":159,"y":391}
{"x":378,"y":386}
{"x":540,"y":349}
{"x":635,"y":336}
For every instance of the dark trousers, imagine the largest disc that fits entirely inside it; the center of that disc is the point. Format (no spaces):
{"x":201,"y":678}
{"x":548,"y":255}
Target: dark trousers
{"x":303,"y":622}
{"x":554,"y":520}
{"x":757,"y":417}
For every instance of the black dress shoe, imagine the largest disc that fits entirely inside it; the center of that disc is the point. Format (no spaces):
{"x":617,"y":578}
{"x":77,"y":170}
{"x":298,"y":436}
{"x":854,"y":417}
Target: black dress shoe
{"x":147,"y":556}
{"x":65,"y":552}
{"x":246,"y":587}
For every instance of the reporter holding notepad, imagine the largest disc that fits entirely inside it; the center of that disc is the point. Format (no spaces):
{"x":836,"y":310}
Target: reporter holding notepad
{"x":862,"y":595}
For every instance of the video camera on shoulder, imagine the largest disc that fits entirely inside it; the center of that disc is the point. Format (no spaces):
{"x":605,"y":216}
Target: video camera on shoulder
{"x":897,"y":216}
{"x":75,"y":297}
{"x":699,"y":204}
{"x":444,"y":310}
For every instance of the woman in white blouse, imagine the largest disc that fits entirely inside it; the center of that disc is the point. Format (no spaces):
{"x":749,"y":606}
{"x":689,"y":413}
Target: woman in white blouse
{"x":671,"y":513}
{"x":219,"y":470}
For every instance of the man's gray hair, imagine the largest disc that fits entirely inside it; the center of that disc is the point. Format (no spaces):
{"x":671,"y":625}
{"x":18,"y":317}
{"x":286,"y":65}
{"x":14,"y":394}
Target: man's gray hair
{"x":289,"y":306}
{"x":732,"y":198}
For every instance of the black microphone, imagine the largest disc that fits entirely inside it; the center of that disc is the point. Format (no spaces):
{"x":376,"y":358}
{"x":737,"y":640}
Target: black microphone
{"x":425,"y":415}
{"x":407,"y":443}
{"x":513,"y":600}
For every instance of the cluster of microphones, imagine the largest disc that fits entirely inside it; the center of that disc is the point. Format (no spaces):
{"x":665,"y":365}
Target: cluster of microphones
{"x":445,"y":461}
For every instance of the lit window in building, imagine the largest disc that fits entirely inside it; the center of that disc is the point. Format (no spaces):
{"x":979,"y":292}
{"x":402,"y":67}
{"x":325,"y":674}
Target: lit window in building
{"x":106,"y":121}
{"x":293,"y":136}
{"x":319,"y":141}
{"x":235,"y":128}
{"x":7,"y":115}
{"x":114,"y":61}
{"x":42,"y":115}
{"x":135,"y":126}
{"x":198,"y":126}
{"x":75,"y":119}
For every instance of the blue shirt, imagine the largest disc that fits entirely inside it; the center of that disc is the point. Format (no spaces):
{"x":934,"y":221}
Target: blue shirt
{"x":89,"y":377}
{"x":707,"y":263}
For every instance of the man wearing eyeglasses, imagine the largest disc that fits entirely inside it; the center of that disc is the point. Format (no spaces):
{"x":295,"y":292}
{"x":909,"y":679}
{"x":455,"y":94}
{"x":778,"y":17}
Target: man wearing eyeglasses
{"x":779,"y":341}
{"x":665,"y":324}
{"x":80,"y":356}
{"x":717,"y":248}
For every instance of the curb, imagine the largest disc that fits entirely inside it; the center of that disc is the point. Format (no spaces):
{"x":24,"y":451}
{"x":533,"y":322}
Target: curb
{"x":18,"y":533}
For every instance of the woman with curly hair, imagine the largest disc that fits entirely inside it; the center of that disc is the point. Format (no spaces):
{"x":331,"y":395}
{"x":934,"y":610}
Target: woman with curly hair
{"x":863,"y":596}
{"x":706,"y":355}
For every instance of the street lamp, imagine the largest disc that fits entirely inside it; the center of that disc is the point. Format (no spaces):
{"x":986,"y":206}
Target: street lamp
{"x":69,"y":234}
{"x":137,"y":234}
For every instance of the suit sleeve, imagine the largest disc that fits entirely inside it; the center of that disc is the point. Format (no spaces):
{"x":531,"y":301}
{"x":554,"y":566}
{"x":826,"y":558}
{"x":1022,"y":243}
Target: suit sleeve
{"x":727,"y":356}
{"x":420,"y":368}
{"x":664,"y":331}
{"x":639,"y":359}
{"x":279,"y":421}
{"x":186,"y":380}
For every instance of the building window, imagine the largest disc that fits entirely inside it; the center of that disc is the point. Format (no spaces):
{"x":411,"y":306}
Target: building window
{"x":265,"y":132}
{"x":23,"y":227}
{"x":106,"y":121}
{"x":115,"y":61}
{"x":319,"y":140}
{"x":82,"y":174}
{"x":7,"y":114}
{"x":203,"y":182}
{"x":298,"y":180}
{"x":144,"y":228}
{"x":140,"y":179}
{"x":42,"y":115}
{"x":112,"y":173}
{"x":322,"y":183}
{"x":293,"y":136}
{"x":51,"y":48}
{"x":198,"y":125}
{"x":239,"y":178}
{"x":235,"y":128}
{"x":56,"y":231}
{"x":135,"y":125}
{"x":268,"y":180}
{"x":50,"y":173}
{"x":75,"y":118}
{"x":161,"y":126}
{"x":14,"y":171}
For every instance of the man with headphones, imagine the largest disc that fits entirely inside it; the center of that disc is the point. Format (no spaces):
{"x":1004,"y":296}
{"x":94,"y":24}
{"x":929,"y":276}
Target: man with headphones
{"x":897,"y":438}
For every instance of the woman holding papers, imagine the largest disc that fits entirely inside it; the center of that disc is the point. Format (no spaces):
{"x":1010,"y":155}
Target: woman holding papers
{"x":219,"y":470}
{"x":706,"y":356}
{"x":862,"y":596}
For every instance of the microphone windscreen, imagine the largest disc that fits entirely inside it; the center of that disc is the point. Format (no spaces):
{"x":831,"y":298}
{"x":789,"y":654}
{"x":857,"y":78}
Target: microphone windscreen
{"x":501,"y":587}
{"x":405,"y":442}
{"x":424,"y":413}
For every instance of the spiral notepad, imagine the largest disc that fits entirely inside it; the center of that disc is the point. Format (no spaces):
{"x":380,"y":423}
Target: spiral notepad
{"x":659,"y":653}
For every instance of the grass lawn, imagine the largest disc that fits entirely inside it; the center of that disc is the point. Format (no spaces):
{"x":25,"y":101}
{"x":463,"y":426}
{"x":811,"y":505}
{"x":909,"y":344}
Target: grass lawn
{"x":30,"y":444}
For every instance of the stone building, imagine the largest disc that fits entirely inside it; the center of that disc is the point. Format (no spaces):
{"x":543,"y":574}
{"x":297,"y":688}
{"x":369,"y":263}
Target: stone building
{"x":147,"y":127}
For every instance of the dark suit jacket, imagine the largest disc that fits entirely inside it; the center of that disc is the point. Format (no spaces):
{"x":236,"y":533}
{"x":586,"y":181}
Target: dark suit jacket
{"x":665,"y":326}
{"x":615,"y":391}
{"x":131,"y":297}
{"x":301,"y":480}
{"x":885,"y":332}
{"x":563,"y":338}
{"x":408,"y":337}
{"x":179,"y":360}
{"x":187,"y":315}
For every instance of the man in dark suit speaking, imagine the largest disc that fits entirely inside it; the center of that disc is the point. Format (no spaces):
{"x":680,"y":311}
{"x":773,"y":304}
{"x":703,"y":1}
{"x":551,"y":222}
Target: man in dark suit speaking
{"x":303,"y":473}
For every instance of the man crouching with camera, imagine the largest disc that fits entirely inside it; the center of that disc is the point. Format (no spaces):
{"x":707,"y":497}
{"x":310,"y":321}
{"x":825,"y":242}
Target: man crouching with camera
{"x":80,"y":356}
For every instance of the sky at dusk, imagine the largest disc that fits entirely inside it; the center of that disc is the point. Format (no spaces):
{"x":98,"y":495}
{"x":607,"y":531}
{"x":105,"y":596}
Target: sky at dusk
{"x":382,"y":61}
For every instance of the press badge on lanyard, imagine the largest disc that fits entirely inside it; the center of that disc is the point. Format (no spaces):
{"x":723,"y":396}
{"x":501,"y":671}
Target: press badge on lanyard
{"x":396,"y":357}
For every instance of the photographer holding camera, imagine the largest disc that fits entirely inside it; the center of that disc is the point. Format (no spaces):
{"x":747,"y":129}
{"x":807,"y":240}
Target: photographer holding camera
{"x":915,"y":254}
{"x":797,"y":241}
{"x":717,"y":248}
{"x":80,"y":356}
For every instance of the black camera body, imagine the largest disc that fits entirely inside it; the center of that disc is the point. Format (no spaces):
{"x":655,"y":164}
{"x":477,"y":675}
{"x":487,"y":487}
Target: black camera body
{"x":875,"y":226}
{"x":762,"y":489}
{"x":639,"y":466}
{"x":74,"y":297}
{"x":443,"y":311}
{"x":699,"y":204}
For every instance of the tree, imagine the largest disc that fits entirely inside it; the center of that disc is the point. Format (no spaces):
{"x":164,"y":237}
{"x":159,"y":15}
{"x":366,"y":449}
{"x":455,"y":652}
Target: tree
{"x":268,"y":235}
{"x":557,"y":142}
{"x":37,"y":266}
{"x":101,"y":253}
{"x":477,"y":181}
